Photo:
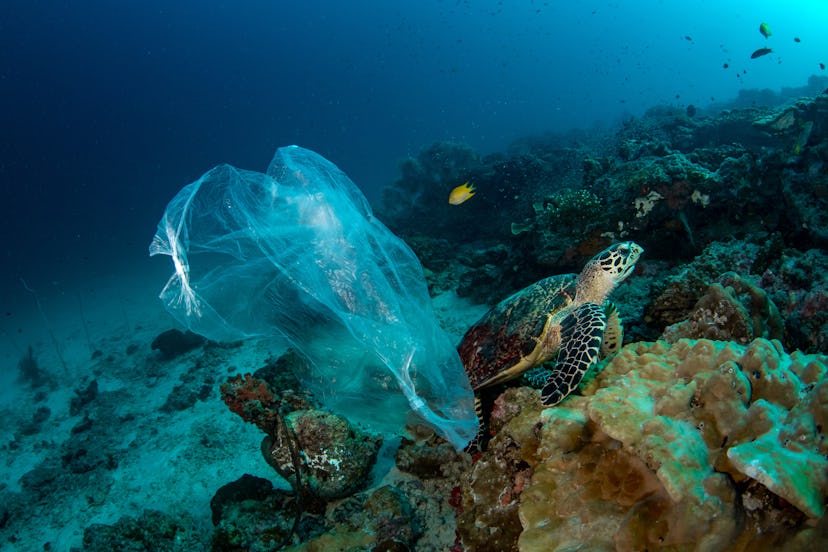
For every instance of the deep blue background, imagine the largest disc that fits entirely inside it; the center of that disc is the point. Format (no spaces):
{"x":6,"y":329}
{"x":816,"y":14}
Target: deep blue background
{"x":108,"y":108}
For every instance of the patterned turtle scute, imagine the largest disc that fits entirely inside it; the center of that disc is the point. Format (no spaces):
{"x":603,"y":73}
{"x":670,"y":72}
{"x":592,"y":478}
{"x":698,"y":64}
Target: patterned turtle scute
{"x":510,"y":331}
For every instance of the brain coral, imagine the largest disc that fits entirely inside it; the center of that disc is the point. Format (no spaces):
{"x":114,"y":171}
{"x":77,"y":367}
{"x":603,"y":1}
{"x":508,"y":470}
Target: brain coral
{"x":695,"y":445}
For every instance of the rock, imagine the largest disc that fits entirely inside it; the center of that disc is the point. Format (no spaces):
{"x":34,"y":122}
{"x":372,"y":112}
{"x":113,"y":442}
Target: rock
{"x":152,"y":530}
{"x":336,"y":456}
{"x":174,"y":343}
{"x":490,"y":516}
{"x":247,"y":487}
{"x":83,"y":397}
{"x":425,"y":458}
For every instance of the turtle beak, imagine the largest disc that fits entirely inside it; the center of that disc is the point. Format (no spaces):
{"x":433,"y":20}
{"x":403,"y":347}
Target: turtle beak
{"x":633,"y":255}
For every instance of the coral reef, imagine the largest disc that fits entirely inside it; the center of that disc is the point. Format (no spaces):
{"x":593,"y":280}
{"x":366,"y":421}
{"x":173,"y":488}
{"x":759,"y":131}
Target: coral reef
{"x":709,"y":438}
{"x":693,"y":445}
{"x":676,"y":184}
{"x":490,"y":518}
{"x":249,"y":514}
{"x":678,"y":290}
{"x":794,"y":282}
{"x":731,"y":309}
{"x":252,"y":400}
{"x":798,"y":284}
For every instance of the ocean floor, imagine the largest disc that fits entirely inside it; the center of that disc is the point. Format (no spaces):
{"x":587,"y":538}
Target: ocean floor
{"x":116,"y":428}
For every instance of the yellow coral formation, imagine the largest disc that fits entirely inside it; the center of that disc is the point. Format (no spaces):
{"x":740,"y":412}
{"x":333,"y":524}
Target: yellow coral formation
{"x":695,"y":445}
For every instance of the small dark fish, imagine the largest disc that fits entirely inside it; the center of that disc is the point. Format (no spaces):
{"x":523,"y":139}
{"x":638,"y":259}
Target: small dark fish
{"x":796,"y":39}
{"x":688,"y":38}
{"x":725,"y":66}
{"x":822,"y":66}
{"x":760,"y":52}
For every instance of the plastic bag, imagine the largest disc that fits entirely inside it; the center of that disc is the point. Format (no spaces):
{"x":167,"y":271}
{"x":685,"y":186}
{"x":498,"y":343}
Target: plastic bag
{"x":297,"y":255}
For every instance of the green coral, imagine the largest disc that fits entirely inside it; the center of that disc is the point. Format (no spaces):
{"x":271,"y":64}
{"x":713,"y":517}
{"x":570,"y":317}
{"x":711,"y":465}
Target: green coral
{"x":567,"y":210}
{"x":570,"y":207}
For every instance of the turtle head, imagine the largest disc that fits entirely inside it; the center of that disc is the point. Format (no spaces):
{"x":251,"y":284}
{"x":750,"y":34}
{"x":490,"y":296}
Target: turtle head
{"x":618,"y":260}
{"x":606,"y":270}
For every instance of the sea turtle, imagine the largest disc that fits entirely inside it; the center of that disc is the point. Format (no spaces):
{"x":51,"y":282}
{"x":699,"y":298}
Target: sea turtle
{"x":567,"y":314}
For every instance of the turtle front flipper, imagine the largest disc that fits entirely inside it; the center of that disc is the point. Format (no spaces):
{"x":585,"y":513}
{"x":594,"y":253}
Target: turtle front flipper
{"x":581,"y":334}
{"x":613,"y":333}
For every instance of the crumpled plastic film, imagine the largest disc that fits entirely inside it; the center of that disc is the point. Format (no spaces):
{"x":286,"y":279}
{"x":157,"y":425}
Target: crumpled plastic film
{"x":296,"y":255}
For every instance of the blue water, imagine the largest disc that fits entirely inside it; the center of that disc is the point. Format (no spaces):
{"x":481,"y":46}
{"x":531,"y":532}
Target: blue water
{"x":108,"y":108}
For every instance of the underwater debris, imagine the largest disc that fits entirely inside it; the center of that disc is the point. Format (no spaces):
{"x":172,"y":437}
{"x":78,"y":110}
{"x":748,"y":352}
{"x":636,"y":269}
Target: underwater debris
{"x":297,"y":256}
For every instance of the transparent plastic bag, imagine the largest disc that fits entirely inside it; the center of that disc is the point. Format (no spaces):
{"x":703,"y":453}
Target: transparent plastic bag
{"x":297,"y":255}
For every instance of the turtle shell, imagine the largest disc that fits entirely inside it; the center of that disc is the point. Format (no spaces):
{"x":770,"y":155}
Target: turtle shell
{"x":499,"y":346}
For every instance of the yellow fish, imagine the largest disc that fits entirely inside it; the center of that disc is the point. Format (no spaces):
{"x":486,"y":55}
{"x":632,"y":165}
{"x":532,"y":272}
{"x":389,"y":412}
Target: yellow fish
{"x":461,"y":194}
